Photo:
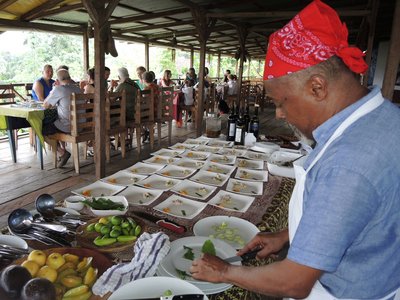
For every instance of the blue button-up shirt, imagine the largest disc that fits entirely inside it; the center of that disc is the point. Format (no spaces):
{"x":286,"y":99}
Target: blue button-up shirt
{"x":350,"y":226}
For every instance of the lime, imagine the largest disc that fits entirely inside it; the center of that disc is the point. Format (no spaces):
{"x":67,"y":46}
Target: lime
{"x":98,"y":227}
{"x":117,"y":227}
{"x":138,"y":229}
{"x":125,"y":224}
{"x":116,"y":220}
{"x":105,"y":230}
{"x":90,"y":227}
{"x":115,"y":233}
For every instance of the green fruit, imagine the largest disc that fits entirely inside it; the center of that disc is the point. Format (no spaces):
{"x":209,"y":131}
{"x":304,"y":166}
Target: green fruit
{"x":98,"y":227}
{"x":104,"y":242}
{"x":115,"y":233}
{"x":105,"y":230}
{"x":117,"y":227}
{"x":125,"y":224}
{"x":104,"y":220}
{"x":106,"y":236}
{"x":126,"y":238}
{"x":116,"y":220}
{"x":90,"y":227}
{"x":138,"y":230}
{"x":125,"y":231}
{"x":132,"y":222}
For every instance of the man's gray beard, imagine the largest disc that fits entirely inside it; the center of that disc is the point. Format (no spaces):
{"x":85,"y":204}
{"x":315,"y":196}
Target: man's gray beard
{"x":302,"y":138}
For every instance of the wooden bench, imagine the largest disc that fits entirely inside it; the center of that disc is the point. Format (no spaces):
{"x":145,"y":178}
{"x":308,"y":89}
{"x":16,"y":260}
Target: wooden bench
{"x":164,"y":111}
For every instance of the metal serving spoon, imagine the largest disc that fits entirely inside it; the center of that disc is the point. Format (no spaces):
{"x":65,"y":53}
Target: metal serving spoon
{"x":21,"y":220}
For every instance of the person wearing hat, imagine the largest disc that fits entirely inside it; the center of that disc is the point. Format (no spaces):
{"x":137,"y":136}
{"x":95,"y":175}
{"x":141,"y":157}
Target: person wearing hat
{"x":344,"y":222}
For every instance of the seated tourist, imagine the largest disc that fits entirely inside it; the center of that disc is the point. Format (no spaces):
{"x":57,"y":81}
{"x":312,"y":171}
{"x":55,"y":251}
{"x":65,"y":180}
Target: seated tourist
{"x":60,"y":98}
{"x":131,"y":88}
{"x":166,"y":80}
{"x":139,"y":71}
{"x":42,"y":87}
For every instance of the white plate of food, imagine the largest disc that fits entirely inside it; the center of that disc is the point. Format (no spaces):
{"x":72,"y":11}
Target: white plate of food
{"x":219,"y":143}
{"x":176,"y":172}
{"x":155,"y":287}
{"x":197,"y":155}
{"x":120,"y":200}
{"x":245,"y":187}
{"x":222,"y":159}
{"x":251,"y":175}
{"x":204,"y":148}
{"x":250,"y":164}
{"x":218,"y":168}
{"x":181,"y":207}
{"x":192,"y":189}
{"x":181,"y":146}
{"x":280,"y":163}
{"x":137,"y":195}
{"x":231,"y":201}
{"x":234,"y":152}
{"x":168,"y":152}
{"x":99,"y":189}
{"x":212,"y":178}
{"x":161,"y":160}
{"x":189,"y":163}
{"x":196,"y":141}
{"x":124,"y":178}
{"x":235,"y":231}
{"x":158,"y":182}
{"x":144,"y":168}
{"x":257,"y":155}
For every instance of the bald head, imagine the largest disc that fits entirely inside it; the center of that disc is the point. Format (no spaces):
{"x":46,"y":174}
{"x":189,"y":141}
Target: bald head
{"x":63,"y":76}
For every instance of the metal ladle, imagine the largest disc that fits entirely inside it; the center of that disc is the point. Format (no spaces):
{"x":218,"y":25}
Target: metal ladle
{"x":45,"y":205}
{"x":21,"y":220}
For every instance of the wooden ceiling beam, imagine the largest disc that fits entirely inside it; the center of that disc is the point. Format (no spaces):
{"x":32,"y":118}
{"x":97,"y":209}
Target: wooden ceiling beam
{"x":149,"y":16}
{"x":284,"y":14}
{"x":186,"y":32}
{"x":30,"y":15}
{"x":42,"y":27}
{"x":150,"y":27}
{"x":6,"y":3}
{"x":59,"y":10}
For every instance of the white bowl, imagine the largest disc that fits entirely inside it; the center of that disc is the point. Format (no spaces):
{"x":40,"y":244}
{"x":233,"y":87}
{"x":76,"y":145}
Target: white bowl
{"x":12,"y":240}
{"x":279,"y":157}
{"x":74,"y":202}
{"x":111,"y":212}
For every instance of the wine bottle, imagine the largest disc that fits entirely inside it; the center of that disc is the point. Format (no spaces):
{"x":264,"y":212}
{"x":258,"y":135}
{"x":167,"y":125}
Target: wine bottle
{"x":255,"y":123}
{"x":246,"y":119}
{"x":230,"y":136}
{"x":240,"y":130}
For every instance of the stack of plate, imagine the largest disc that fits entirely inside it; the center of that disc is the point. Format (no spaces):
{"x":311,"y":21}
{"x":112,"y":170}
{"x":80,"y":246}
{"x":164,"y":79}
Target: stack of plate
{"x":175,"y":260}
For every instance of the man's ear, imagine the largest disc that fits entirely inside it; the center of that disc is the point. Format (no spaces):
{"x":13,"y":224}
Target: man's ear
{"x":318,"y":87}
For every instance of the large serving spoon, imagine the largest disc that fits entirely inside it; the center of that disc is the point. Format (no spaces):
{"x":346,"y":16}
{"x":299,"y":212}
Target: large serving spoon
{"x":21,"y":220}
{"x":45,"y":205}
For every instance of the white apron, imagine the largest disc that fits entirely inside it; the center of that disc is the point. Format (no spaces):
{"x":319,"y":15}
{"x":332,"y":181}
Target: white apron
{"x":318,"y":292}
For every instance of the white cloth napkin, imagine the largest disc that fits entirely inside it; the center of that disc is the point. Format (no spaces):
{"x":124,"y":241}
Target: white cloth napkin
{"x":149,"y":249}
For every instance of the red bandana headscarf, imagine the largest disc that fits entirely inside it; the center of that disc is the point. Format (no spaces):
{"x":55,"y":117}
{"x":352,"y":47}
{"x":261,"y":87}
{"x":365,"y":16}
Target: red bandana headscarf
{"x":312,"y":36}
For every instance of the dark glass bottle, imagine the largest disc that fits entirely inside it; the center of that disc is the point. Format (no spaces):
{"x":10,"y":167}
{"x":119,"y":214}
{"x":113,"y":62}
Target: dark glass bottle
{"x":246,"y":118}
{"x":240,"y":131}
{"x":255,"y":123}
{"x":230,"y":135}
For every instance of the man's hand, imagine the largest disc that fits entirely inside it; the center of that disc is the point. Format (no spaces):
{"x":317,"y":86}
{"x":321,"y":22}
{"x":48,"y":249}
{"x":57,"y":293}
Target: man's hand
{"x":269,"y":243}
{"x":209,"y":268}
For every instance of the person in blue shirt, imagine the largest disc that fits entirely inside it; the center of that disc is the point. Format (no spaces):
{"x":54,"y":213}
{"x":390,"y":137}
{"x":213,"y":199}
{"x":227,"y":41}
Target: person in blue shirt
{"x":41,"y":87}
{"x":344,"y":213}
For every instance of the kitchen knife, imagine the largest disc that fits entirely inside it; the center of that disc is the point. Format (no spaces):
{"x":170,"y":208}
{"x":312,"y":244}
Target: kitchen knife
{"x":248,"y":255}
{"x":176,"y":297}
{"x":162,"y":222}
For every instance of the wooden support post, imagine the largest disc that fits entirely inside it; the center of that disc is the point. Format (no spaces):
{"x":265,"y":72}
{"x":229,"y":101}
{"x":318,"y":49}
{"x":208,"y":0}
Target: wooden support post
{"x":219,"y":65}
{"x":100,"y":13}
{"x":242,"y":33}
{"x":191,"y":57}
{"x":371,"y":34}
{"x":85,"y":51}
{"x":248,"y":69}
{"x":392,"y":63}
{"x":200,"y":101}
{"x":147,"y":56}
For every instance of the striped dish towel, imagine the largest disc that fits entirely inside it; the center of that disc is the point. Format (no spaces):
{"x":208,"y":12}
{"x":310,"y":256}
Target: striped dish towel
{"x":149,"y":249}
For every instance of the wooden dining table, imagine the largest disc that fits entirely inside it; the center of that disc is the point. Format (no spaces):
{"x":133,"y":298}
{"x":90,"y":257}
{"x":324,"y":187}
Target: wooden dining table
{"x":17,"y":116}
